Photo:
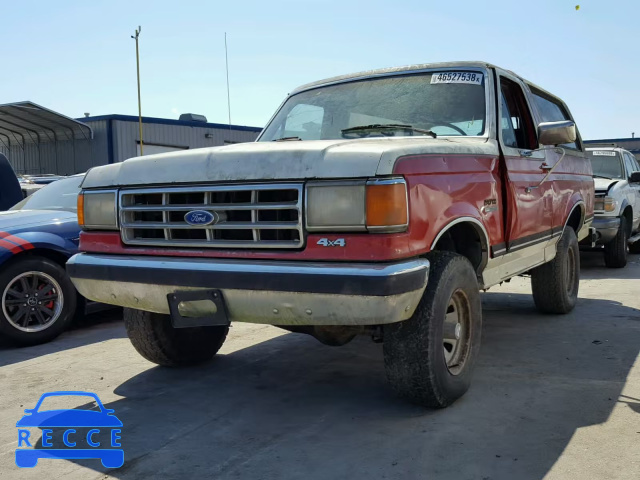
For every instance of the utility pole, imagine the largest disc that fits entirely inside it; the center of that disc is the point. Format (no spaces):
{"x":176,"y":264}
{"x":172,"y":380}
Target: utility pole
{"x":226,"y":57}
{"x":139,"y":101}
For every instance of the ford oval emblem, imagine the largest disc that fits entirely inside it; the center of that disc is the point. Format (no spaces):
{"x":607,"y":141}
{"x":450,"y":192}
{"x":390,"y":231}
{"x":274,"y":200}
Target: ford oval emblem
{"x":200,"y":217}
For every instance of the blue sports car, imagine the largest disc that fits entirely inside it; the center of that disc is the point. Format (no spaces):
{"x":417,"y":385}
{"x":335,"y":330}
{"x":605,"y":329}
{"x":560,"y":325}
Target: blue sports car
{"x":37,"y":236}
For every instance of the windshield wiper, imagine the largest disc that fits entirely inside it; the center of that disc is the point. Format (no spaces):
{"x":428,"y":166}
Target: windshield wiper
{"x":287,"y":139}
{"x":601,"y":176}
{"x":387,"y":126}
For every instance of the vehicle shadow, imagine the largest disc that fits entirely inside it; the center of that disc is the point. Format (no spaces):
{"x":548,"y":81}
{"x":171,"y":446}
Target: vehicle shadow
{"x":93,"y":328}
{"x":290,"y":407}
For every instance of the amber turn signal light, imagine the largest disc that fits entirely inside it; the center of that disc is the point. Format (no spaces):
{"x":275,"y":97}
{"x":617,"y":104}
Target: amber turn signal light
{"x":387,"y":206}
{"x":81,"y":209}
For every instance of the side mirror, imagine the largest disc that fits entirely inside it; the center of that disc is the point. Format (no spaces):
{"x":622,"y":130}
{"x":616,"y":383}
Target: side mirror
{"x":557,"y":133}
{"x":634,"y":177}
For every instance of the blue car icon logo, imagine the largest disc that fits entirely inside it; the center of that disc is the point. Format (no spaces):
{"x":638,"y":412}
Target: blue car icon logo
{"x":82,"y":433}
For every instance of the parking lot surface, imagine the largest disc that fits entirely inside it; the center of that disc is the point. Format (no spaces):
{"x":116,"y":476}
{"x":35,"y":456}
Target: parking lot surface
{"x":553,"y":397}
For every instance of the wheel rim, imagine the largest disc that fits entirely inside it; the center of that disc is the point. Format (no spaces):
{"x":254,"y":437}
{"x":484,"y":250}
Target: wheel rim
{"x":457,"y":332}
{"x":32,"y":301}
{"x":570,"y":271}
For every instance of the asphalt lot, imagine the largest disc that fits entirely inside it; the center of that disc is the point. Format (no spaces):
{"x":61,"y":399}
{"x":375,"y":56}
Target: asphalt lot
{"x":553,"y":397}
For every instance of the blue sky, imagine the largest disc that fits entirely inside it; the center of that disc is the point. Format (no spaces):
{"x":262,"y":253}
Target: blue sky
{"x":77,"y":56}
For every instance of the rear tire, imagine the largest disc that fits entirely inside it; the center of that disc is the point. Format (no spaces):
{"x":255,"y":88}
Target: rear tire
{"x":555,"y":284}
{"x":429,"y":358}
{"x":153,"y":336}
{"x":615,"y":252}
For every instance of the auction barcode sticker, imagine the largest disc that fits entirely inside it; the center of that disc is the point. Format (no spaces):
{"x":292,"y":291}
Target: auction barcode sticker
{"x":603,"y":153}
{"x":457,"y":77}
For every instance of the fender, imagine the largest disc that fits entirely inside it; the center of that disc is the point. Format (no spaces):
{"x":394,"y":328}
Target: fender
{"x":47,"y":240}
{"x":625,"y":204}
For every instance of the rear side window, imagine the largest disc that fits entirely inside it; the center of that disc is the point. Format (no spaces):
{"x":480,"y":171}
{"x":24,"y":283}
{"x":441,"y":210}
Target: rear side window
{"x":552,"y":111}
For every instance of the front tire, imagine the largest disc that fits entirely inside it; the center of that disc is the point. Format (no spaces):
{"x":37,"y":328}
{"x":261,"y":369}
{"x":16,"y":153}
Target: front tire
{"x":615,"y":252}
{"x":153,"y":336}
{"x":429,"y":358}
{"x":37,"y":301}
{"x":555,"y":284}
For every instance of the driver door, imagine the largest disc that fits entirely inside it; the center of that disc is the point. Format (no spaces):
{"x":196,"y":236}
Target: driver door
{"x":528,"y":223}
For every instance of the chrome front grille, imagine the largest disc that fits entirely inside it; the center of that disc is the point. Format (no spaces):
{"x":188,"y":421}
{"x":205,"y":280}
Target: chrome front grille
{"x":248,"y":216}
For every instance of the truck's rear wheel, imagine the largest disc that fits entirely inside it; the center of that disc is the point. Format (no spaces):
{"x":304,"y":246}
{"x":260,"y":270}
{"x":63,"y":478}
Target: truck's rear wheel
{"x":155,"y":339}
{"x":615,"y":252}
{"x":555,"y":284}
{"x":429,"y":358}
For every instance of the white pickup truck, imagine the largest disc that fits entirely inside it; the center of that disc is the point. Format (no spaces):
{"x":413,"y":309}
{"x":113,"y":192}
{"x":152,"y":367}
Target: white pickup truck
{"x":616,"y":174}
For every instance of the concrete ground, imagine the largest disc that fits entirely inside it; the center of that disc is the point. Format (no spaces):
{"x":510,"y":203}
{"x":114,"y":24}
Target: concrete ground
{"x":554,"y":397}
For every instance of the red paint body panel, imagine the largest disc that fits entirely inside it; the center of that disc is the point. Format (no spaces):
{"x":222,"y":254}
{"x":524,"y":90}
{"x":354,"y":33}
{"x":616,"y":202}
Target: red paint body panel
{"x":527,"y":213}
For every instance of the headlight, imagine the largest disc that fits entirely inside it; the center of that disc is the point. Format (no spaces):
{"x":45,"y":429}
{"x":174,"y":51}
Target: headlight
{"x":97,"y":210}
{"x":376,"y":205}
{"x":606,"y":204}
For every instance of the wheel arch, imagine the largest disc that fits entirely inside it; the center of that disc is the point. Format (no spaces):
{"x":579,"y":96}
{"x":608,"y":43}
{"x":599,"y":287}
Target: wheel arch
{"x":576,"y":216}
{"x":455,"y":228}
{"x":54,"y":255}
{"x":626,"y":210}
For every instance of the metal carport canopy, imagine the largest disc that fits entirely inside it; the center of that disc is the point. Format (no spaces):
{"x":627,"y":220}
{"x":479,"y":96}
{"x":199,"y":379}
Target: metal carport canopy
{"x":27,"y":122}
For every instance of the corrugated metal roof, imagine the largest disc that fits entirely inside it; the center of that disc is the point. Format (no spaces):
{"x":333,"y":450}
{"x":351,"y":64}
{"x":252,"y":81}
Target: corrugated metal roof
{"x":27,"y":122}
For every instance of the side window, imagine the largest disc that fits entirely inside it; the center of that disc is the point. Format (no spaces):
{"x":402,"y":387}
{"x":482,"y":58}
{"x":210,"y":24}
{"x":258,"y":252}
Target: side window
{"x":515,"y":119}
{"x":551,"y":111}
{"x":630,"y":163}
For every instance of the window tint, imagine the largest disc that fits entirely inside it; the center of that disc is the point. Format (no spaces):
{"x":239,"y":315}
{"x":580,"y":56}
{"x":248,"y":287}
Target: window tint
{"x":515,"y":118}
{"x":550,"y":111}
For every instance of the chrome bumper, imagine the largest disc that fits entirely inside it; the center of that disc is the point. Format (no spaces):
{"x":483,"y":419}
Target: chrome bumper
{"x":269,"y":292}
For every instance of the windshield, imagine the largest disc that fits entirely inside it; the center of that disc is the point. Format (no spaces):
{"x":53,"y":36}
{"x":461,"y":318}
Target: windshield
{"x":59,"y":195}
{"x":446,"y":103}
{"x":606,"y":163}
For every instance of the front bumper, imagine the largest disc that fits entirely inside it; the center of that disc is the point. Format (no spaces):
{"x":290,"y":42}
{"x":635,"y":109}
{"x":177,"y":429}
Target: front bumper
{"x":269,"y":292}
{"x":606,"y":228}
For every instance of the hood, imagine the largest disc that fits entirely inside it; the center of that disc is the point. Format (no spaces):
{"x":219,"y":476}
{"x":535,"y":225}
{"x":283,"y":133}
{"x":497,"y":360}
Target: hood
{"x":280,"y":161}
{"x":604,"y":184}
{"x":23,"y":219}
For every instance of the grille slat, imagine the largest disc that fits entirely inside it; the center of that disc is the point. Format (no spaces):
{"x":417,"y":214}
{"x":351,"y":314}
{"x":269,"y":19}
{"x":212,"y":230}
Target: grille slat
{"x":155,"y":216}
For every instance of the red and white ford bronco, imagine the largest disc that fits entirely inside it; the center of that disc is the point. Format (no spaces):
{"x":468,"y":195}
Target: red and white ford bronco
{"x":379,"y":202}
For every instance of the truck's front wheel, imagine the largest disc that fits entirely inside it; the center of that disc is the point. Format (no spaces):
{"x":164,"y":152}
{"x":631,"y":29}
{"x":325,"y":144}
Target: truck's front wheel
{"x":615,"y":252}
{"x":429,"y":358}
{"x":155,"y":339}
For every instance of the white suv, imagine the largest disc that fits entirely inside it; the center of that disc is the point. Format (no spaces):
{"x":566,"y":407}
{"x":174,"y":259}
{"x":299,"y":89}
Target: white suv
{"x":616,"y":174}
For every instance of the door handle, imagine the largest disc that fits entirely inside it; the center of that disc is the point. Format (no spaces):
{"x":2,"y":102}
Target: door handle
{"x":545,"y":167}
